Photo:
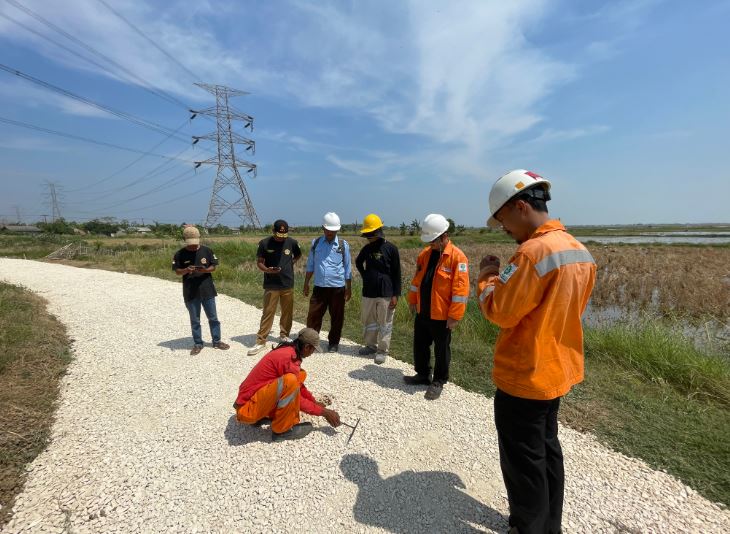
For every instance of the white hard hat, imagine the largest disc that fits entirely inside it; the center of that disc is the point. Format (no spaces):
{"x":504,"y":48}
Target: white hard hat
{"x":510,"y":185}
{"x":331,"y":221}
{"x":433,"y":226}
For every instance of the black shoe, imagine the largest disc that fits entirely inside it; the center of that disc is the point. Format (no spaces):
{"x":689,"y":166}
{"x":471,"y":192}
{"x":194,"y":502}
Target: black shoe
{"x":333,"y":347}
{"x":434,"y":391}
{"x":366,"y":351}
{"x":296,"y":432}
{"x":417,"y":380}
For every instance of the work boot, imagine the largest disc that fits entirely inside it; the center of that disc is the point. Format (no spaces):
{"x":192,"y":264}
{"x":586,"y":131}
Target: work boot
{"x":380,"y":357}
{"x":221,"y":346}
{"x":196,"y":350}
{"x":298,"y":431}
{"x":367,"y":350}
{"x":256,"y":349}
{"x":417,"y":380}
{"x":434,"y":391}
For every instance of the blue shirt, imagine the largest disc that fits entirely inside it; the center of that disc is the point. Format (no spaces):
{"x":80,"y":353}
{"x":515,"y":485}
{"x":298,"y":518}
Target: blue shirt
{"x":326,"y":262}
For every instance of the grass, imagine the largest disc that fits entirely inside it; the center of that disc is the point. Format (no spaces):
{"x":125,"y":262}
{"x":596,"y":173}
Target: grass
{"x":33,"y":357}
{"x":649,"y":392}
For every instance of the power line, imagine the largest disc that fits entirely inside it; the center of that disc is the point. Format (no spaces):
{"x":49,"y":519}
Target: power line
{"x":121,"y":114}
{"x":85,"y":139}
{"x":144,"y":83}
{"x":149,"y":39}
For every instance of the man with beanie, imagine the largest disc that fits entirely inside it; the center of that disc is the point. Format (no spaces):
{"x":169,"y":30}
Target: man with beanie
{"x":195,"y":263}
{"x":379,"y":265}
{"x":276,"y":257}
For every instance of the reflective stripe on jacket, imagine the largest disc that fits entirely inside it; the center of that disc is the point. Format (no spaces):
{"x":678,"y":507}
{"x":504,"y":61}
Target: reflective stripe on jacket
{"x":537,"y":301}
{"x":450,"y":289}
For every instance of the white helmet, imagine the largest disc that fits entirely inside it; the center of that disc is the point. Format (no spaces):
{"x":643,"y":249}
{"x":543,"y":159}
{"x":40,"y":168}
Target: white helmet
{"x":331,"y":221}
{"x":433,"y":226}
{"x":510,"y":185}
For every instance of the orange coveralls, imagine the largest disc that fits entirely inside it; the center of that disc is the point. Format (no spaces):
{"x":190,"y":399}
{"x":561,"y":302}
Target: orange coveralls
{"x":275,"y":389}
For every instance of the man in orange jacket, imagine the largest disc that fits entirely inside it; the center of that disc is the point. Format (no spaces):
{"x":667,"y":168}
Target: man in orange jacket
{"x":438,"y":295}
{"x":274,"y":391}
{"x":537,"y":301}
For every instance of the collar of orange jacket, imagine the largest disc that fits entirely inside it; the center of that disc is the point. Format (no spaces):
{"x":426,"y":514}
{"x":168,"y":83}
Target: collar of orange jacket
{"x":551,"y":226}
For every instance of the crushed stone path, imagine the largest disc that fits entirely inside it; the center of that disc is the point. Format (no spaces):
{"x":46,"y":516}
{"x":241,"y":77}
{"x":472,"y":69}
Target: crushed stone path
{"x":144,"y":438}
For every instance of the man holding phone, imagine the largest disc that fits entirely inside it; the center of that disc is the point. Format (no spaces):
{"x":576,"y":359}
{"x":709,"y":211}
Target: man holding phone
{"x":194,"y":263}
{"x":276,"y":257}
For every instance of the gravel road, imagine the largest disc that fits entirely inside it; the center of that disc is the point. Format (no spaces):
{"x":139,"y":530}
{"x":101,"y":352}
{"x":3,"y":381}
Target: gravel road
{"x":145,"y":439}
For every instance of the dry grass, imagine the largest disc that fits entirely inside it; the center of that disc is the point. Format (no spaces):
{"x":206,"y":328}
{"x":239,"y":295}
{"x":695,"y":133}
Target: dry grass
{"x":33,"y":356}
{"x":687,"y":281}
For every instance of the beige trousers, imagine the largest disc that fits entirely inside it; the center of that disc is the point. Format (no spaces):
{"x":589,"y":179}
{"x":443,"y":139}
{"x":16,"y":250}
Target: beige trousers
{"x":272,"y":297}
{"x":377,"y":320}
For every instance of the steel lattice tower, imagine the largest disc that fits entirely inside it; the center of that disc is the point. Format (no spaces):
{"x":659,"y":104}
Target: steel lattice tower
{"x":229,"y":191}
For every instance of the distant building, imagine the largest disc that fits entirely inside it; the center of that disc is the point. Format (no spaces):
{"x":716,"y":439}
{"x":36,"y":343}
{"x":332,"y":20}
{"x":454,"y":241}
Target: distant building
{"x":141,"y":230}
{"x":20,"y":229}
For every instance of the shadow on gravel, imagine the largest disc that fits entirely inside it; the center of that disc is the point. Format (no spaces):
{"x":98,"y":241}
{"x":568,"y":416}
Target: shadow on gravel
{"x":249,"y":340}
{"x":416,"y":502}
{"x":239,"y":434}
{"x":180,"y":343}
{"x":385,"y":377}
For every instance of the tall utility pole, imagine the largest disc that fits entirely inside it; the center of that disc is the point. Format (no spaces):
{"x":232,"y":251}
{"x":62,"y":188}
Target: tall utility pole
{"x":52,"y":197}
{"x":229,"y":191}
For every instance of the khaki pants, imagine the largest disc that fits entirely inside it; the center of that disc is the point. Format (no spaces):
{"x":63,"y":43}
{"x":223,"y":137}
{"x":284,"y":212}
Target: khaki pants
{"x":272,"y":297}
{"x":377,"y":320}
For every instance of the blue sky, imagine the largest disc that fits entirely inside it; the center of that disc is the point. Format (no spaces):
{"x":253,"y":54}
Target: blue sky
{"x":399,"y":108}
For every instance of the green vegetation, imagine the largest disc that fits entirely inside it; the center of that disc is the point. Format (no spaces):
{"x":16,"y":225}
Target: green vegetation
{"x":649,"y":392}
{"x":33,"y":356}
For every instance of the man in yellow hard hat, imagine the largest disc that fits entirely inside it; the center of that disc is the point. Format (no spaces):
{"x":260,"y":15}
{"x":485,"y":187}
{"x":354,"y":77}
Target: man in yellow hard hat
{"x":379,"y":265}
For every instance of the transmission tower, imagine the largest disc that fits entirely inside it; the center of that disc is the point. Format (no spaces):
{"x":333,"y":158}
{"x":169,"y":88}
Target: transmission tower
{"x":52,"y":199}
{"x":229,"y":191}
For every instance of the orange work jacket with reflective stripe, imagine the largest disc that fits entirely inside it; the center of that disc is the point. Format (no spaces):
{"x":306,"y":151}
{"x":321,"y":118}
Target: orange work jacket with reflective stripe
{"x":450,"y":288}
{"x":537,"y":301}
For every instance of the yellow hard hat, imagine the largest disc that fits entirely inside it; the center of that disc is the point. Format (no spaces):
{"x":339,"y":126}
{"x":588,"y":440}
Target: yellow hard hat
{"x":371,"y":223}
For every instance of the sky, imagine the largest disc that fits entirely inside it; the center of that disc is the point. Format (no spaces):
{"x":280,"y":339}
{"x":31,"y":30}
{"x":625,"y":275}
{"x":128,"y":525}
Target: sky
{"x":398,"y":108}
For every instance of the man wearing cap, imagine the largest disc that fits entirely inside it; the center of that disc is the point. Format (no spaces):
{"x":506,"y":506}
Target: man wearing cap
{"x":379,"y":265}
{"x":274,"y":391}
{"x":438,"y":295}
{"x":537,"y":301}
{"x":194,"y":262}
{"x":276,"y":257}
{"x":330,"y":264}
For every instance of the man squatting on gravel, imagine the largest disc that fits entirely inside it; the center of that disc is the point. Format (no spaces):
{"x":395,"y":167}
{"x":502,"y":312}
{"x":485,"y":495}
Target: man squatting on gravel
{"x":274,"y":391}
{"x":194,"y":262}
{"x":537,"y":301}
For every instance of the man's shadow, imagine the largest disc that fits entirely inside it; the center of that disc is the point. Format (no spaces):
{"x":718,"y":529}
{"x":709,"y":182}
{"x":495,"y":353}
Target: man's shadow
{"x":177,"y":344}
{"x":240,"y":434}
{"x":416,"y":502}
{"x":385,"y":377}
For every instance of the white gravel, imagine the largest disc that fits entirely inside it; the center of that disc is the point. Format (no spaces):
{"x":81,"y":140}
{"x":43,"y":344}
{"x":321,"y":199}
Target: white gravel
{"x":144,"y":439}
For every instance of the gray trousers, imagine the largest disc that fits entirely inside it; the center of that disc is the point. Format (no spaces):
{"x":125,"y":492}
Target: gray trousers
{"x":377,"y":320}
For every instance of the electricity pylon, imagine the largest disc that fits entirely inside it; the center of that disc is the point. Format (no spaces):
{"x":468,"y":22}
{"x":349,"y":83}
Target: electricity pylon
{"x":52,"y":197}
{"x":229,"y":191}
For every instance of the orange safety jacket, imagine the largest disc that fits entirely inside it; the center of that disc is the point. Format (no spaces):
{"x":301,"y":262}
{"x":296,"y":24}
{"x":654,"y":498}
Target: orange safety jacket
{"x":450,"y":289}
{"x":537,"y":301}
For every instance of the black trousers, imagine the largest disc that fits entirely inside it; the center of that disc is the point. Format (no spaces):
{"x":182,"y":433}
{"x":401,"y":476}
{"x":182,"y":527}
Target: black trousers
{"x":425,"y":333}
{"x":531,"y":461}
{"x":330,"y":299}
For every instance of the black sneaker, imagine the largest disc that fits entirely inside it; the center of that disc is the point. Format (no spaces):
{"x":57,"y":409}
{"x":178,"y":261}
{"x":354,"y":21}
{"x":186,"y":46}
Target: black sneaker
{"x":434,"y":391}
{"x":367,"y":350}
{"x":261,"y":422}
{"x":296,"y":432}
{"x":417,"y":380}
{"x":333,"y":347}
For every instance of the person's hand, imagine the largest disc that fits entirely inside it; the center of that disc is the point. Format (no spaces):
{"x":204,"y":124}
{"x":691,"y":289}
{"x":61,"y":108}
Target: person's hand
{"x":488,"y":266}
{"x":190,"y":268}
{"x":306,"y":289}
{"x":348,"y":294}
{"x":393,"y":303}
{"x":451,"y":323}
{"x":412,"y":308}
{"x":332,"y":417}
{"x":273,"y":270}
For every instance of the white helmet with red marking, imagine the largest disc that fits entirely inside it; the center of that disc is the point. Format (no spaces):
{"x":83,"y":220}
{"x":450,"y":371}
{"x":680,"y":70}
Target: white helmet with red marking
{"x":512,"y":184}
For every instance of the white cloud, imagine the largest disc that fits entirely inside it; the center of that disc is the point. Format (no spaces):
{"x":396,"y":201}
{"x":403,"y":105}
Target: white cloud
{"x":32,"y":96}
